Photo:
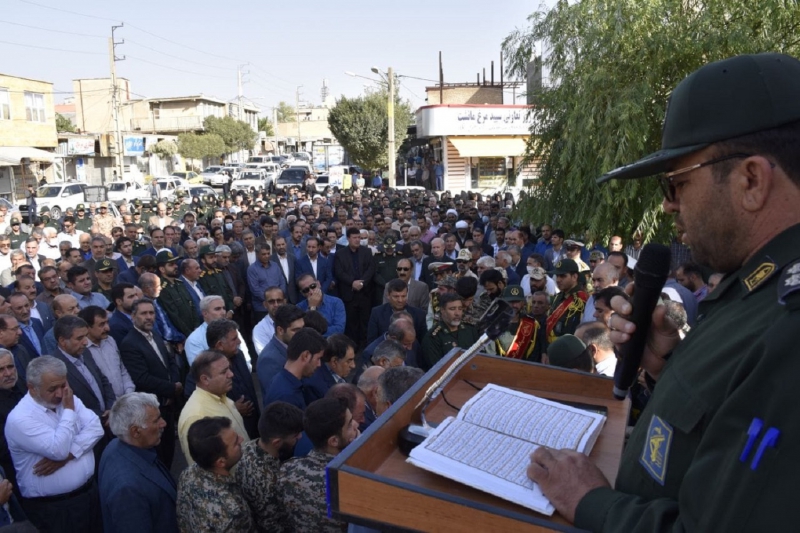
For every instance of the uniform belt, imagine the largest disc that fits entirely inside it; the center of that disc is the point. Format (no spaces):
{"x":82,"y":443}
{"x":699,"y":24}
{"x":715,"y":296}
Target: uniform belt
{"x":83,"y":489}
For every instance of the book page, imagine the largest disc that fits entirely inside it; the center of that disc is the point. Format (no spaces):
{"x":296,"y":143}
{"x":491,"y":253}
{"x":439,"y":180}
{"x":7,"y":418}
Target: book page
{"x":533,"y":419}
{"x":483,"y":459}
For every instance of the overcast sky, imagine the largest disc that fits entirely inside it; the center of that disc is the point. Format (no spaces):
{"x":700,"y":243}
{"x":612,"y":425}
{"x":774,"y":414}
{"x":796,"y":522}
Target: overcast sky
{"x":181,"y":47}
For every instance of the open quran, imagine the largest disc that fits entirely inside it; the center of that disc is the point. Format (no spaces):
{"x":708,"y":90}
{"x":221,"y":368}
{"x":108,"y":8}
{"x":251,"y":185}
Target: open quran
{"x":487,"y":446}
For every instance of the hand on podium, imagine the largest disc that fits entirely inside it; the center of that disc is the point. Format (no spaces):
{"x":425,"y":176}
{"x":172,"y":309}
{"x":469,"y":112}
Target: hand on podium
{"x":565,"y":477}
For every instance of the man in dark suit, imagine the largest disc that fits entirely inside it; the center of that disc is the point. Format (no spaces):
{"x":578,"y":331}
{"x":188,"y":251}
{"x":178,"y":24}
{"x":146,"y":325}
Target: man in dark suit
{"x":437,"y":256}
{"x":314,"y":264}
{"x":338,"y":362}
{"x":287,"y":263}
{"x":12,"y":390}
{"x":98,"y":248}
{"x":123,"y":295}
{"x":153,"y":370}
{"x":137,"y":491}
{"x":32,"y":338}
{"x":353,"y":269}
{"x":27,"y":286}
{"x":381,"y":316}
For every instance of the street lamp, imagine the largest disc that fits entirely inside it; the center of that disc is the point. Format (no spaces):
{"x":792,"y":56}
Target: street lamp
{"x":390,"y":112}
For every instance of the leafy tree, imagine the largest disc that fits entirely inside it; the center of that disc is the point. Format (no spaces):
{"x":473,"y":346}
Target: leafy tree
{"x":236,"y":135}
{"x":265,"y":125}
{"x":361,"y":126}
{"x":286,"y":112}
{"x":197,"y":146}
{"x":165,"y":148}
{"x":611,"y":67}
{"x":64,"y":124}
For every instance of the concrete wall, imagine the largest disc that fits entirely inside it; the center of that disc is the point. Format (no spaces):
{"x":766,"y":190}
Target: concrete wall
{"x":93,"y":104}
{"x":468,"y":94}
{"x":19,"y":131}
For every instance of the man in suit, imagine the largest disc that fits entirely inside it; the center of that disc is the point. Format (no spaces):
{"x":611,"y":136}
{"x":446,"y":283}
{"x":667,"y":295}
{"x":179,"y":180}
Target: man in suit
{"x":287,"y":262}
{"x":32,"y":254}
{"x":98,"y":250}
{"x":153,"y":370}
{"x":288,"y":321}
{"x":354,"y":269}
{"x":32,"y":337}
{"x":158,"y":243}
{"x":10,"y":334}
{"x":381,"y":316}
{"x":137,"y":491}
{"x":27,"y":286}
{"x":314,"y":264}
{"x":123,"y":295}
{"x":338,"y":361}
{"x":160,"y":219}
{"x":417,"y":257}
{"x":437,"y":256}
{"x":418,"y":293}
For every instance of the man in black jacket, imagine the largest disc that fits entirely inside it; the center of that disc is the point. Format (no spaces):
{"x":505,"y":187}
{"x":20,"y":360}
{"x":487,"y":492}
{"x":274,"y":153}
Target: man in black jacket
{"x":354,"y":269}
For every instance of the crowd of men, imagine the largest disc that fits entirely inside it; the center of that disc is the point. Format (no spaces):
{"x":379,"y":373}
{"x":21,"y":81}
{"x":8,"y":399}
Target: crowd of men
{"x":260,"y":334}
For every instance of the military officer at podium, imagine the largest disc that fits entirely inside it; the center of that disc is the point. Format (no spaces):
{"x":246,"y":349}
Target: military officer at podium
{"x":448,"y":332}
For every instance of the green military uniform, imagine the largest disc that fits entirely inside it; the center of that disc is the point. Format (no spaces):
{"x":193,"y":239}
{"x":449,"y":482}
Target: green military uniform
{"x":16,"y":238}
{"x":179,"y":306}
{"x":257,"y":473}
{"x":138,"y":248}
{"x":180,"y":209}
{"x":688,"y":461}
{"x":441,"y":340}
{"x":212,"y":281}
{"x":83,"y":223}
{"x":385,"y":267}
{"x":566,"y":312}
{"x":303,"y":494}
{"x":211,"y":502}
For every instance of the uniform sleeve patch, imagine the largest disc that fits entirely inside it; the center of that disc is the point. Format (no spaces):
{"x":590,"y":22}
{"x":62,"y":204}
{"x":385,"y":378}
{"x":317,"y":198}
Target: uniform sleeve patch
{"x":759,"y":275}
{"x":789,"y":281}
{"x":656,"y":449}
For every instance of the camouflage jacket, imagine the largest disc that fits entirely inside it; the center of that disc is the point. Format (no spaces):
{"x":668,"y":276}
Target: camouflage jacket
{"x":257,"y":473}
{"x":302,"y":491}
{"x":103,"y":223}
{"x":210,"y":503}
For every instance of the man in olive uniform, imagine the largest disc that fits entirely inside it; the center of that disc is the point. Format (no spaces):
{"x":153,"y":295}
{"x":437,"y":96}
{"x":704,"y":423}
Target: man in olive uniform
{"x":16,"y":235}
{"x":449,"y":332}
{"x":44,"y":214}
{"x":104,"y":277}
{"x":212,"y":280}
{"x":568,"y":306}
{"x":385,"y":267}
{"x":82,"y":221}
{"x":524,"y":338}
{"x":716,"y":447}
{"x":174,"y":297}
{"x":146,"y":210}
{"x":179,"y":209}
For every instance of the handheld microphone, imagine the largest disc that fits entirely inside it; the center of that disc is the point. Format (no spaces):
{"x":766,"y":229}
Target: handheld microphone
{"x":649,"y":276}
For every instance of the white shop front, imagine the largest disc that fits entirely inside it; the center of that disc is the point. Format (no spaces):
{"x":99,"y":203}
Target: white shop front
{"x":480,"y":146}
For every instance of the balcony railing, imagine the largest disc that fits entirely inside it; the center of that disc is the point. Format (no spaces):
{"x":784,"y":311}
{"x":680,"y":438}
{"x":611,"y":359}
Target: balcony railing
{"x":167,"y":124}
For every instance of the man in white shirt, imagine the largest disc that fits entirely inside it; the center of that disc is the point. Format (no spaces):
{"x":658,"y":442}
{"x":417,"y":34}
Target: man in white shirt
{"x":595,"y":335}
{"x":265,"y":329}
{"x":49,"y":245}
{"x":212,"y":308}
{"x":51,"y":435}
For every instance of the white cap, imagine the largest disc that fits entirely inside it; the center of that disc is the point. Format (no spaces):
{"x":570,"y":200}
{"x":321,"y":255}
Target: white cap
{"x":462,"y":224}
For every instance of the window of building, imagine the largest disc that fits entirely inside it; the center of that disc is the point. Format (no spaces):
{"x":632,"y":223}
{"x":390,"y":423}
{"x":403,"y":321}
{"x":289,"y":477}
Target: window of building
{"x":5,"y":105}
{"x":34,"y":107}
{"x":488,"y":172}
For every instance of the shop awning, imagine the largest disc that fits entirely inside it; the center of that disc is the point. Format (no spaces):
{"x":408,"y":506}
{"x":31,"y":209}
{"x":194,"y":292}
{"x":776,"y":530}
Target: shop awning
{"x":489,"y":146}
{"x":12,"y":155}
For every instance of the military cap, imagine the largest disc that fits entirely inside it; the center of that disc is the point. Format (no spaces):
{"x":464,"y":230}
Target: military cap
{"x":537,"y":273}
{"x":44,"y":209}
{"x":103,"y":265}
{"x":564,"y":350}
{"x":81,"y":207}
{"x":513,"y":293}
{"x":137,"y":203}
{"x":15,"y":222}
{"x":566,"y":266}
{"x":389,"y":241}
{"x":165,"y":256}
{"x":597,"y":255}
{"x":438,"y":266}
{"x":103,"y":205}
{"x":447,"y":281}
{"x":206,"y":250}
{"x":464,"y":255}
{"x":570,"y":243}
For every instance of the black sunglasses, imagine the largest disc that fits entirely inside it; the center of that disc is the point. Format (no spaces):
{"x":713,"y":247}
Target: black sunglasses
{"x":310,"y":288}
{"x":403,"y":269}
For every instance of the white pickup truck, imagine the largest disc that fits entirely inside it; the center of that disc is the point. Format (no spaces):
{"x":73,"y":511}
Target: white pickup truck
{"x":119,"y":190}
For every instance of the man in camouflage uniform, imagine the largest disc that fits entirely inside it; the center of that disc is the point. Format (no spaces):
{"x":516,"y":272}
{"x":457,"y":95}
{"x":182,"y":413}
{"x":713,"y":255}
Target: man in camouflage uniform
{"x":174,"y":297}
{"x":179,"y":208}
{"x":448,"y":333}
{"x":385,"y":267}
{"x":209,"y":499}
{"x":279,"y":428}
{"x":330,"y":426}
{"x":104,"y":221}
{"x":493,"y":284}
{"x":212,"y":279}
{"x":82,"y":221}
{"x":445,"y":282}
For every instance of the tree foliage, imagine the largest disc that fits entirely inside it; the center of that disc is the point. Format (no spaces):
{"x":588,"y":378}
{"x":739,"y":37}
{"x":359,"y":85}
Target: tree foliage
{"x":236,"y":134}
{"x":286,"y":112}
{"x":64,"y":124}
{"x":265,"y":125}
{"x":611,"y":67}
{"x":198,"y":146}
{"x":361,"y":126}
{"x":165,"y":148}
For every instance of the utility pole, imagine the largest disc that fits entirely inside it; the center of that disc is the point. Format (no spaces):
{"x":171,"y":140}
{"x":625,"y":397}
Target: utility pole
{"x":297,"y":116}
{"x":118,"y":153}
{"x":390,"y":106}
{"x":275,"y":129}
{"x":239,"y":76}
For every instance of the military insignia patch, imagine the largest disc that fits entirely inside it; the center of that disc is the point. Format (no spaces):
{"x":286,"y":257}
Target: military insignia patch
{"x":759,"y":275}
{"x":515,"y":291}
{"x":656,"y":449}
{"x":789,"y":282}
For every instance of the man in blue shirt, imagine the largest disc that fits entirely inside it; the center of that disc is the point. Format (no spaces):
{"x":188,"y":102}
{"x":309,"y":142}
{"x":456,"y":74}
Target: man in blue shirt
{"x":331,"y":307}
{"x":303,"y":356}
{"x":260,"y":276}
{"x":288,"y":321}
{"x":79,"y":281}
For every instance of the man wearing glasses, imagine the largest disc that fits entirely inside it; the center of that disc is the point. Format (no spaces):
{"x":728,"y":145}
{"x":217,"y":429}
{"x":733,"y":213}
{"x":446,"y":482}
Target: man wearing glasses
{"x":716,"y":447}
{"x":418,"y":293}
{"x":331,"y":307}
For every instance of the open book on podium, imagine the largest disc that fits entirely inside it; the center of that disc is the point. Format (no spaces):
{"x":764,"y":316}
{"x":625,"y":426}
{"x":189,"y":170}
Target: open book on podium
{"x":372,"y":483}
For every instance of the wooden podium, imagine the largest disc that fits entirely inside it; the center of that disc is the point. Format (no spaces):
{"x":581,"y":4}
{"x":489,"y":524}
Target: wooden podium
{"x":371,"y":484}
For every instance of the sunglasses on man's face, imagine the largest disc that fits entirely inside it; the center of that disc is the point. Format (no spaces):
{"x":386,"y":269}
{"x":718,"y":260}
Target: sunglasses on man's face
{"x":310,"y":288}
{"x":403,"y":269}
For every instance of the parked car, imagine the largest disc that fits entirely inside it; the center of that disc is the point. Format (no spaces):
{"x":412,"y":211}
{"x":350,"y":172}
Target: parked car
{"x":191,"y":177}
{"x":302,"y":156}
{"x":199,"y":190}
{"x":209,"y":172}
{"x":250,"y":179}
{"x":169,"y":185}
{"x":291,"y":177}
{"x":260,"y":159}
{"x":302,"y":165}
{"x":57,"y":197}
{"x":122,"y":190}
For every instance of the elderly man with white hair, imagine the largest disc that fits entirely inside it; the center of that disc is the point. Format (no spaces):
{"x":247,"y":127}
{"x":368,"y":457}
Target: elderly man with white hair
{"x":137,"y":492}
{"x":49,"y":245}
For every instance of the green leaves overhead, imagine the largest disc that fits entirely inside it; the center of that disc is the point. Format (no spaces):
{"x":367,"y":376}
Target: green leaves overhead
{"x":236,"y":135}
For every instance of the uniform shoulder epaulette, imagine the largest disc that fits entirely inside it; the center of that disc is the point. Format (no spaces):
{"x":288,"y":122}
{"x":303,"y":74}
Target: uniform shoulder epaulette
{"x":436,"y":330}
{"x":164,"y":284}
{"x":202,"y":273}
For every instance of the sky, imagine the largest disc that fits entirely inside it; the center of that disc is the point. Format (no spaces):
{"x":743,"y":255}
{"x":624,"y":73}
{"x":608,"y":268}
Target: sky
{"x":181,"y":47}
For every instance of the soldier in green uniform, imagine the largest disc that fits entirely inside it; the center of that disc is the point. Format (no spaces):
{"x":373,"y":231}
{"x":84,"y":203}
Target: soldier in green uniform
{"x":82,"y":221}
{"x":716,"y":447}
{"x":16,"y":234}
{"x":104,"y":277}
{"x":180,"y":209}
{"x":212,"y":280}
{"x":448,"y":332}
{"x":385,"y":267}
{"x":568,"y":306}
{"x":44,"y":214}
{"x":174,"y":297}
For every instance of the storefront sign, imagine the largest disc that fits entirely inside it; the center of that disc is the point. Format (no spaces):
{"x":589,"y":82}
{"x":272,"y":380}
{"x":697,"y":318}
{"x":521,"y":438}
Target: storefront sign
{"x":436,"y":120}
{"x":133,"y":145}
{"x":80,"y":146}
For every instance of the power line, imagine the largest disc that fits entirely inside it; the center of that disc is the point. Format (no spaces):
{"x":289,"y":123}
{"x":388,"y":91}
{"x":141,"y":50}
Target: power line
{"x":183,"y":45}
{"x":129,"y":41}
{"x":54,"y":49}
{"x":68,"y":11}
{"x":52,"y":30}
{"x":175,"y":69}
